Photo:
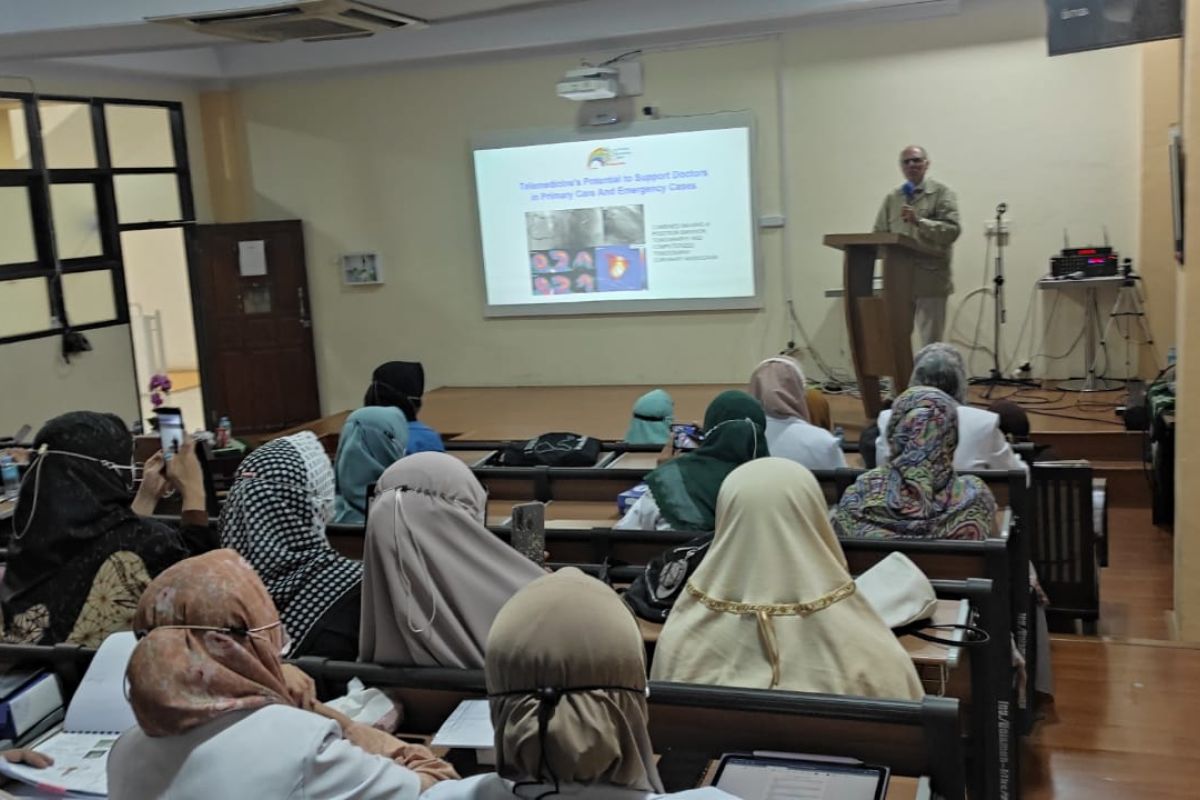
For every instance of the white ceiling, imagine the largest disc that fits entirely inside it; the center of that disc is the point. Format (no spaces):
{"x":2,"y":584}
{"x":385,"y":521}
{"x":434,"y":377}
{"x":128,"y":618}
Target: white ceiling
{"x":112,"y":34}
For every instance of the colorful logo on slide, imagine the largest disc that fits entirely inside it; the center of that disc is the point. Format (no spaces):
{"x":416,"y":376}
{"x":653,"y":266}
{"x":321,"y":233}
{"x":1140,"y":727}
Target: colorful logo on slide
{"x":600,"y":157}
{"x":607,"y":157}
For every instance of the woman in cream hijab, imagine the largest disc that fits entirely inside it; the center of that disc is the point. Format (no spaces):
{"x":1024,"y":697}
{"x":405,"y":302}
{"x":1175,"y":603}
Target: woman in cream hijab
{"x":566,"y":681}
{"x":434,"y":576}
{"x":772,"y":605}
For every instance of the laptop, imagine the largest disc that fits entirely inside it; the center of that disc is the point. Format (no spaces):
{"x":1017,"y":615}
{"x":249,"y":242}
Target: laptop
{"x":782,"y":777}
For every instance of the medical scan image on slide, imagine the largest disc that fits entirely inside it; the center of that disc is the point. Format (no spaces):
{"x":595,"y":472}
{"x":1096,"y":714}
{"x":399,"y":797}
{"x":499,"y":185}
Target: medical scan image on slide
{"x":581,"y":250}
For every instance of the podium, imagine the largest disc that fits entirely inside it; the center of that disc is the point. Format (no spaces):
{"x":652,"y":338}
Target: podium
{"x":881,"y":325}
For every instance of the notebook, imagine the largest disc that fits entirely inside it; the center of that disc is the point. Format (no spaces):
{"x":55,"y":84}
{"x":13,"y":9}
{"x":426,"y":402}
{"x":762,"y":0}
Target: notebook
{"x":469,"y":728}
{"x":96,"y":716}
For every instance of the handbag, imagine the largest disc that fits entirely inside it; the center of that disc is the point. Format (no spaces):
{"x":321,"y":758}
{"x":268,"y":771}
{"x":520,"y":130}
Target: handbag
{"x":904,"y":599}
{"x":552,"y":450}
{"x":652,"y":594}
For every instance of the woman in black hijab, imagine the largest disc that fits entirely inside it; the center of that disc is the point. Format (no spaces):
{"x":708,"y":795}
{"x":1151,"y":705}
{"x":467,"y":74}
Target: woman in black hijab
{"x":80,"y":555}
{"x":401,"y":384}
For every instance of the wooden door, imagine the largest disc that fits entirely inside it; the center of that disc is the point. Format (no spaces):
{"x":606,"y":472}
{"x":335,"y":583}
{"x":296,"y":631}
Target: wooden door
{"x":256,"y":336}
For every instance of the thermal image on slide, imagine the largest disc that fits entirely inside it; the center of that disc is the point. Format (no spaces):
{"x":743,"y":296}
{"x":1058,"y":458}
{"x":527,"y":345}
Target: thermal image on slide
{"x":589,"y":249}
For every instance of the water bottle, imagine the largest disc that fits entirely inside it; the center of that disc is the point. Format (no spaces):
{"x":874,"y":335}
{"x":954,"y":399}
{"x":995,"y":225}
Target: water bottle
{"x":1171,"y":356}
{"x":11,"y":475}
{"x":224,"y":433}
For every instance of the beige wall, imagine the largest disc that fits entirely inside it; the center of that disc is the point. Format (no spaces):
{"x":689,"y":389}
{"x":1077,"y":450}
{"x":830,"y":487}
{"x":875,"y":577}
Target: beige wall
{"x":384,"y":165}
{"x":156,"y":278}
{"x":1156,"y":258}
{"x":1187,"y":457}
{"x":102,"y":379}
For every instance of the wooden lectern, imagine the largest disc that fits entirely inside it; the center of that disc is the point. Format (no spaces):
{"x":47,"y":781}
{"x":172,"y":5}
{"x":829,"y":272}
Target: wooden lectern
{"x":880,"y":326}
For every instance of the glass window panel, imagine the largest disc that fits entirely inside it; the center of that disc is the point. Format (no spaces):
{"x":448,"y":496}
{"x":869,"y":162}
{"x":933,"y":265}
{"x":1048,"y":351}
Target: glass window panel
{"x":256,"y":300}
{"x":24,"y":306}
{"x":76,"y":223}
{"x":89,"y":297}
{"x":16,"y":227}
{"x":139,"y":136}
{"x":14,"y":138}
{"x":147,"y":198}
{"x":67,"y":134}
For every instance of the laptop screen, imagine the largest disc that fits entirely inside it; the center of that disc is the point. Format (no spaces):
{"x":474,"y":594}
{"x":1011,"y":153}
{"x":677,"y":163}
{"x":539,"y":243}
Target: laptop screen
{"x":764,"y":778}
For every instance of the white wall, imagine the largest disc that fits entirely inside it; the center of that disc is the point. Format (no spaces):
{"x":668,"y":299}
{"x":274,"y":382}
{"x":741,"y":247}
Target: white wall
{"x":102,"y":379}
{"x":381,"y":162}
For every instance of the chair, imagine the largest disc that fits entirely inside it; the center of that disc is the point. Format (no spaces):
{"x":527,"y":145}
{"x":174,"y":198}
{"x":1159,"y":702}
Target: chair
{"x":1067,"y":549}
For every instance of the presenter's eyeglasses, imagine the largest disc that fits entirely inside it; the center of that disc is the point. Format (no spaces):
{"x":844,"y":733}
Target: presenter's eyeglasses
{"x":907,"y":161}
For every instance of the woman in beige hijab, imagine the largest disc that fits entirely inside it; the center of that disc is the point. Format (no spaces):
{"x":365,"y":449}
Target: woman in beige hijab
{"x":772,"y":605}
{"x":778,"y":383}
{"x":566,"y":680}
{"x":434,"y":577}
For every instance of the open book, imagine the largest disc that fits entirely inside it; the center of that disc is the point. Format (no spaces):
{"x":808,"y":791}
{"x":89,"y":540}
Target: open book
{"x":96,"y":716}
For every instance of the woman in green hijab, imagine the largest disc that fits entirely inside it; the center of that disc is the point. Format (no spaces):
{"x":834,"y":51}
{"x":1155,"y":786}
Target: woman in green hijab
{"x":683,"y":492}
{"x":653,"y":414}
{"x":373,"y":439}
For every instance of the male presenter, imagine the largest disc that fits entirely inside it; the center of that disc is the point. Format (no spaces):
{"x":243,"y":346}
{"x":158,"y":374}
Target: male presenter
{"x":927,"y":211}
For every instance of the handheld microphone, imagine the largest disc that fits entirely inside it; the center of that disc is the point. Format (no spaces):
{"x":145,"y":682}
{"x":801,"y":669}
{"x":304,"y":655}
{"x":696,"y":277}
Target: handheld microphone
{"x":1000,"y":209}
{"x":909,"y":190}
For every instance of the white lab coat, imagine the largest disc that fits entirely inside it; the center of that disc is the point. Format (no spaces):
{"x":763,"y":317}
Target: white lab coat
{"x":981,"y":444}
{"x":643,"y":515}
{"x":271,"y":753}
{"x":805,"y":443}
{"x":492,"y":787}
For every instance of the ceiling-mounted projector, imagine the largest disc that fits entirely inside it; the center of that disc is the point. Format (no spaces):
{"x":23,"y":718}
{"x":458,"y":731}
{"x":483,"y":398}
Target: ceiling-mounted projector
{"x":589,"y":83}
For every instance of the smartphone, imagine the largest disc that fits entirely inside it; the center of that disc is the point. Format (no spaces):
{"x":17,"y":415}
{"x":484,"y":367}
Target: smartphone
{"x":686,"y":436}
{"x":170,"y":430}
{"x":529,"y":531}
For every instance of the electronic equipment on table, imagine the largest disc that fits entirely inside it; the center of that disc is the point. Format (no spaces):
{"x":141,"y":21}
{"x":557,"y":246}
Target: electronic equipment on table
{"x":1092,"y":262}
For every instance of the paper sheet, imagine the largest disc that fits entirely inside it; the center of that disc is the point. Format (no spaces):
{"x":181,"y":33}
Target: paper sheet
{"x":252,"y":258}
{"x":80,"y":764}
{"x":469,"y":727}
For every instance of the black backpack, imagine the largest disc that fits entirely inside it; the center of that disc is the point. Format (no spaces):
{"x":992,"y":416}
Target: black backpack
{"x":552,"y":450}
{"x":653,"y":593}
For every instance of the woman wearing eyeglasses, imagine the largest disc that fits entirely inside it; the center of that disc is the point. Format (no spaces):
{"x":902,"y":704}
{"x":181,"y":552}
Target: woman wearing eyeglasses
{"x":220,"y":715}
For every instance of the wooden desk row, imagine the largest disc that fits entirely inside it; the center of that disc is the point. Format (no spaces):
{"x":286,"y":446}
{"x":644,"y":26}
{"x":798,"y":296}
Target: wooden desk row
{"x":689,"y":725}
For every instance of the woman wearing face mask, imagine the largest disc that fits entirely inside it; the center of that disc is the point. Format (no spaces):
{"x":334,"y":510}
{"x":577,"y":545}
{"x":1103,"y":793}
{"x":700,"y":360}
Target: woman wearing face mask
{"x":566,"y":650}
{"x":433,"y":576}
{"x":275,"y":516}
{"x":81,"y":554}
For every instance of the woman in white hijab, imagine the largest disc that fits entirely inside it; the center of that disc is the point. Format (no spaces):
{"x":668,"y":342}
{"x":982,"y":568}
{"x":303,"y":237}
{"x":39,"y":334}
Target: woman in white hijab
{"x":434,"y":577}
{"x":566,"y":681}
{"x":778,"y":383}
{"x":772,"y":604}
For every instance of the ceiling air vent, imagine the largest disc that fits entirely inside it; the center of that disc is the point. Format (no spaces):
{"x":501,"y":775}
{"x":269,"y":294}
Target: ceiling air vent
{"x":306,"y":20}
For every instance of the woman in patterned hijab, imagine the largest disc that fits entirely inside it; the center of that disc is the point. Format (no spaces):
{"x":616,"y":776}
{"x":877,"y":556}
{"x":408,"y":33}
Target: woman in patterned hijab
{"x":917,"y":494}
{"x":275,"y":517}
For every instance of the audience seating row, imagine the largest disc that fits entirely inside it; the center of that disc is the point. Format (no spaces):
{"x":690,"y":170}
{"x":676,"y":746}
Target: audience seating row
{"x":689,"y":725}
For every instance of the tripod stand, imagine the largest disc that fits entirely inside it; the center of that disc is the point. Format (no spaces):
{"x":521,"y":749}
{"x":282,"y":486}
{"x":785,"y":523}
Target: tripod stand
{"x":1128,"y":306}
{"x":995,"y":376}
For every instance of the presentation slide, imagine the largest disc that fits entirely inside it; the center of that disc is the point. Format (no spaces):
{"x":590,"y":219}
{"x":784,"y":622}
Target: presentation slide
{"x":645,"y":222}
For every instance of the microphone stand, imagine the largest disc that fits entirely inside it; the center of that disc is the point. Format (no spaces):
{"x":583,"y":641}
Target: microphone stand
{"x":995,"y":376}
